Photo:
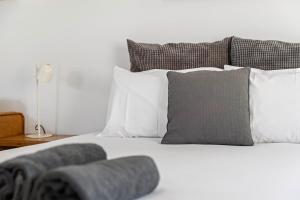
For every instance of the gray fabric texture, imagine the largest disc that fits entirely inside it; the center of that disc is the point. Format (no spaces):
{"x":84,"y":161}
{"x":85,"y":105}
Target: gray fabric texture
{"x":176,"y":56}
{"x":119,"y":179}
{"x":17,"y":176}
{"x":209,"y":107}
{"x":266,"y":55}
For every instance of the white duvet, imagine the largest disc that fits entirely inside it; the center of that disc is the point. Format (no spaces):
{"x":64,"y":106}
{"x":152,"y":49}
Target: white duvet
{"x":206,"y":172}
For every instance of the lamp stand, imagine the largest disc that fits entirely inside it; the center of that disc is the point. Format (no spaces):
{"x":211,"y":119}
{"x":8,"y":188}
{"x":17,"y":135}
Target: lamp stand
{"x":36,"y":136}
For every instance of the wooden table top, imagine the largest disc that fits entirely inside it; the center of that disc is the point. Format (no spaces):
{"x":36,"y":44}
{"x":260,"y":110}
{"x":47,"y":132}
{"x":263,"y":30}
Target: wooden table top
{"x":22,"y":140}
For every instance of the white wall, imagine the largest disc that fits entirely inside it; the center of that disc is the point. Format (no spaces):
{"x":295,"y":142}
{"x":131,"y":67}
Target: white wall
{"x":84,"y":39}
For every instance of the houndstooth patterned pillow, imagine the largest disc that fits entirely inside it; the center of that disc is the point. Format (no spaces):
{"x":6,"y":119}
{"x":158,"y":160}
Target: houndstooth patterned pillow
{"x":266,"y":55}
{"x":176,"y":56}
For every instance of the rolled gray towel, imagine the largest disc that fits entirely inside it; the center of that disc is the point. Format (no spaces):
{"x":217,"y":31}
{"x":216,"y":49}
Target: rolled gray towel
{"x":18,"y":175}
{"x":119,"y":179}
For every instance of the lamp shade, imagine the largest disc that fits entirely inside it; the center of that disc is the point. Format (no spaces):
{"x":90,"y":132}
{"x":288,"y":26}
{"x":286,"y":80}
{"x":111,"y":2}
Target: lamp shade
{"x":44,"y":73}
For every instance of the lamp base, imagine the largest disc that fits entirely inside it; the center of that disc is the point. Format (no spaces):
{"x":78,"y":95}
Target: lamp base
{"x":38,"y":136}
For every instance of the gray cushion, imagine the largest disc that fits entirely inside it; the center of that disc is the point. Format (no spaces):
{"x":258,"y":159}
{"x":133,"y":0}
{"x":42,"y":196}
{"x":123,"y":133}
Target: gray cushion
{"x":178,"y":56}
{"x":209,"y":107}
{"x":266,"y":55}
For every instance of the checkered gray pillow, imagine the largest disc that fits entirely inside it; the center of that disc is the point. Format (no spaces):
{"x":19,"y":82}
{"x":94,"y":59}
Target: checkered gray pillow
{"x":175,"y":56}
{"x":266,"y":55}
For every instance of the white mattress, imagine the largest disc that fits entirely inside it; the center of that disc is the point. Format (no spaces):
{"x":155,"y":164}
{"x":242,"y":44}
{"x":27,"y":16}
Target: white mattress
{"x":206,"y":172}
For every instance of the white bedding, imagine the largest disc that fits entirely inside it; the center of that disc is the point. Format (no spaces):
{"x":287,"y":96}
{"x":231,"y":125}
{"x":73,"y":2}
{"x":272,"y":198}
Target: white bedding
{"x":206,"y":172}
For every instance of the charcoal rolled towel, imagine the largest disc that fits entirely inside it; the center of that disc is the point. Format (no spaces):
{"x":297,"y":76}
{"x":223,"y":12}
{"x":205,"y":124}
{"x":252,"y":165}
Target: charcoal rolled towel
{"x":119,"y":179}
{"x":18,"y":175}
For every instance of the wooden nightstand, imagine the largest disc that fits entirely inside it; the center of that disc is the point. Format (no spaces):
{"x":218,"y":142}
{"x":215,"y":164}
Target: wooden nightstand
{"x":21,"y":140}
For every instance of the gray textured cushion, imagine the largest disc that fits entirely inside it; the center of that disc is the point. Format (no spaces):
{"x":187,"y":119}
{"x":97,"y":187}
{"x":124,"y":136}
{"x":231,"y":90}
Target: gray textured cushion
{"x":266,"y":55}
{"x":176,"y":56}
{"x":209,"y":107}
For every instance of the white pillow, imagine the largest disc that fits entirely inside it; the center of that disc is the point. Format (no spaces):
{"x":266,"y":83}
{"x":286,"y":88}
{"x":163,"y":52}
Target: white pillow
{"x":274,"y":105}
{"x":139,"y":103}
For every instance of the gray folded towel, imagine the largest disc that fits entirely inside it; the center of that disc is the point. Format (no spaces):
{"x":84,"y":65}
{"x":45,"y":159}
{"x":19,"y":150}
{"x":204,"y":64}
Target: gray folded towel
{"x":119,"y":179}
{"x":17,"y":176}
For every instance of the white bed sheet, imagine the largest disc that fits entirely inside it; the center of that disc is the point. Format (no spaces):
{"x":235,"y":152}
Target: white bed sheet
{"x":206,"y":172}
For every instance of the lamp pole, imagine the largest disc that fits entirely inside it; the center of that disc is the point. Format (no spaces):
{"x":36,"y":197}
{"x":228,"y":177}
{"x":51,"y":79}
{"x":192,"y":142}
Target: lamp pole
{"x":38,"y":102}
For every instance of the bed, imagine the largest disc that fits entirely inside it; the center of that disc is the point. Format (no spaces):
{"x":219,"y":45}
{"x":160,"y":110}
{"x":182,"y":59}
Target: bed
{"x":208,"y":172}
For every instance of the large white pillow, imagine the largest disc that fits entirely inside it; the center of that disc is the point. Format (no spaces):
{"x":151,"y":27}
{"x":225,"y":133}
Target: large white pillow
{"x":139,"y":103}
{"x":274,"y":105}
